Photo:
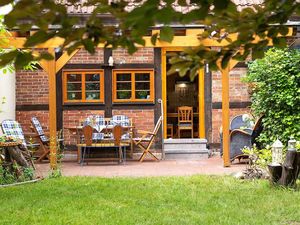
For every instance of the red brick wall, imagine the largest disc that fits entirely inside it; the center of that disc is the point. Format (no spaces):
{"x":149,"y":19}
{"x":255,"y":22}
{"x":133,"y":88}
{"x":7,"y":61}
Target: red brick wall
{"x":31,"y":87}
{"x":217,"y":121}
{"x":142,"y":119}
{"x":143,"y":55}
{"x":238,"y":91}
{"x":84,"y":57}
{"x":24,"y":117}
{"x":73,"y":118}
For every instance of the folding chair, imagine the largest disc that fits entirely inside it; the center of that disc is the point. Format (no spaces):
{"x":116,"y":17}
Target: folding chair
{"x":42,"y":138}
{"x":145,"y":142}
{"x":12,"y":128}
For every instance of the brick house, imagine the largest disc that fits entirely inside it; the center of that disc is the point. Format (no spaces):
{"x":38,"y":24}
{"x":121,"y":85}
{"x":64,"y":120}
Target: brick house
{"x":87,"y":85}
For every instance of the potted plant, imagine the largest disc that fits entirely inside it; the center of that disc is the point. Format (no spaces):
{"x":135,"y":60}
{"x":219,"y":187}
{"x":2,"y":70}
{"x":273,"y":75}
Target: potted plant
{"x":142,"y":94}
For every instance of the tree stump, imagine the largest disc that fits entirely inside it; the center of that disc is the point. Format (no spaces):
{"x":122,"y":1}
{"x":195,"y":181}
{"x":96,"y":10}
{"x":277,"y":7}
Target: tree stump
{"x":286,"y":174}
{"x":14,"y":152}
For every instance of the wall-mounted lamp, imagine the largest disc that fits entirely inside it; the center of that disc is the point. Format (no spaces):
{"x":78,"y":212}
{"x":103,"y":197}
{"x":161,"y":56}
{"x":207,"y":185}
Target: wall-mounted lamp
{"x":111,"y":61}
{"x":182,"y":84}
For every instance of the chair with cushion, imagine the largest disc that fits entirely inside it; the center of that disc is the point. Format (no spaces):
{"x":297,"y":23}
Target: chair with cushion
{"x":90,"y":142}
{"x":146,"y":140}
{"x":124,"y":121}
{"x":13,"y":129}
{"x":238,"y":122}
{"x":43,"y":139}
{"x":185,"y":120}
{"x":244,"y":138}
{"x":98,"y":123}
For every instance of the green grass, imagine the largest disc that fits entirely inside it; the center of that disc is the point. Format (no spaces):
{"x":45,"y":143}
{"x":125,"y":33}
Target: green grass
{"x":167,"y":200}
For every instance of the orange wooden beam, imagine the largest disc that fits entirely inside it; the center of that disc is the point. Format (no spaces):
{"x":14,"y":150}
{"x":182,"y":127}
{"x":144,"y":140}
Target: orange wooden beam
{"x":191,"y":40}
{"x":226,"y":112}
{"x":63,"y":60}
{"x":52,"y":110}
{"x":201,"y":97}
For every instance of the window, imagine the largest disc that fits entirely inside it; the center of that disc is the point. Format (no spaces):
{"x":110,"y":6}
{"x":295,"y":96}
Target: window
{"x":133,"y":85}
{"x":83,"y":86}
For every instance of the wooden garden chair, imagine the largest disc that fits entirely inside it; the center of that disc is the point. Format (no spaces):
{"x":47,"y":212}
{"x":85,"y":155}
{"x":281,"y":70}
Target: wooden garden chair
{"x":146,"y":140}
{"x":185,"y":119}
{"x":13,"y":129}
{"x":43,"y":139}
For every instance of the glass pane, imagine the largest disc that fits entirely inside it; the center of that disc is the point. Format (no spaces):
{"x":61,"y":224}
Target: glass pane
{"x":92,"y":77}
{"x":92,"y":95}
{"x":142,"y":86}
{"x":92,"y":86}
{"x":142,"y":76}
{"x":123,"y":77}
{"x":124,"y":86}
{"x":142,"y":94}
{"x":74,"y":78}
{"x":123,"y":94}
{"x":74,"y":86}
{"x":74,"y":96}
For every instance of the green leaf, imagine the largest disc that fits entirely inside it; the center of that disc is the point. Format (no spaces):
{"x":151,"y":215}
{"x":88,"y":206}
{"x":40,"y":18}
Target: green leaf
{"x":46,"y":56}
{"x":7,"y":58}
{"x":154,"y":39}
{"x":38,"y":37}
{"x":166,"y":34}
{"x":23,"y":59}
{"x":257,"y":53}
{"x":89,"y":45}
{"x":279,"y":42}
{"x":225,"y":59}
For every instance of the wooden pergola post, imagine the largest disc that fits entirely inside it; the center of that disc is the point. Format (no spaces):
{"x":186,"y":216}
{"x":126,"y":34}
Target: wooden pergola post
{"x":201,"y":98}
{"x":226,"y":112}
{"x":52,"y":110}
{"x":50,"y":67}
{"x":225,"y":116}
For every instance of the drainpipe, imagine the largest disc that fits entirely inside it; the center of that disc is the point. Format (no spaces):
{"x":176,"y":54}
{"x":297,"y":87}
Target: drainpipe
{"x":7,"y":91}
{"x":160,"y":101}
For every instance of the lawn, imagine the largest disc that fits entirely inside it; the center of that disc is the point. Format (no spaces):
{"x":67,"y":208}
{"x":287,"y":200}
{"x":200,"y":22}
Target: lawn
{"x":167,"y":200}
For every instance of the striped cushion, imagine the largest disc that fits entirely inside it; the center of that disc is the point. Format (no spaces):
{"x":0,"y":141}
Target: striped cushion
{"x":123,"y":121}
{"x":12,"y":128}
{"x":120,"y":120}
{"x":37,"y":125}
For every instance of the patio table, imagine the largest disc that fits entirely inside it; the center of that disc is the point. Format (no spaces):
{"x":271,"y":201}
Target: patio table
{"x":106,"y":142}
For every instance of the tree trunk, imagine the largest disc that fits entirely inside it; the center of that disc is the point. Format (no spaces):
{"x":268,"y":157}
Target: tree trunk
{"x":17,"y":155}
{"x":287,"y":174}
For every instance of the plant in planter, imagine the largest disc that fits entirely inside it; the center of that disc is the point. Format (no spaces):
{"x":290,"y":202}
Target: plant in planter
{"x":123,"y":95}
{"x":142,"y":94}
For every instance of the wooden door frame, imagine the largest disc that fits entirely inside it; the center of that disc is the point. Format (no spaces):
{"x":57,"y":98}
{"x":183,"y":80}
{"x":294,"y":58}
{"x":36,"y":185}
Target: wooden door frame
{"x":201,"y":92}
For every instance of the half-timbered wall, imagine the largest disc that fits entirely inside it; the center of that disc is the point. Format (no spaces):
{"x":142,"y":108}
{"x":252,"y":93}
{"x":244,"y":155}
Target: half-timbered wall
{"x":32,"y":93}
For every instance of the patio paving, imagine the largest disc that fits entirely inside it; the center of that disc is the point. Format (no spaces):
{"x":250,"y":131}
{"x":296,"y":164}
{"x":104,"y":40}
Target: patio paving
{"x":210,"y":166}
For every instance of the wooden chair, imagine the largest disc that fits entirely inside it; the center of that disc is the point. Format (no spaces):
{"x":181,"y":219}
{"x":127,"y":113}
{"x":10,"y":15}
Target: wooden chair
{"x":145,"y":142}
{"x":43,"y":139}
{"x":185,"y":119}
{"x":91,"y":140}
{"x":13,"y":129}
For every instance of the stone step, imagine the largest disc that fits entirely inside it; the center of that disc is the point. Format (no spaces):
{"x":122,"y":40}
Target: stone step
{"x":191,"y":149}
{"x":185,"y":156}
{"x":186,"y":151}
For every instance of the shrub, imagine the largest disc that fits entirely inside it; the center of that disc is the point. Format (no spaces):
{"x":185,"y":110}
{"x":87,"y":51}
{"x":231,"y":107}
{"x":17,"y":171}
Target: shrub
{"x":275,"y":83}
